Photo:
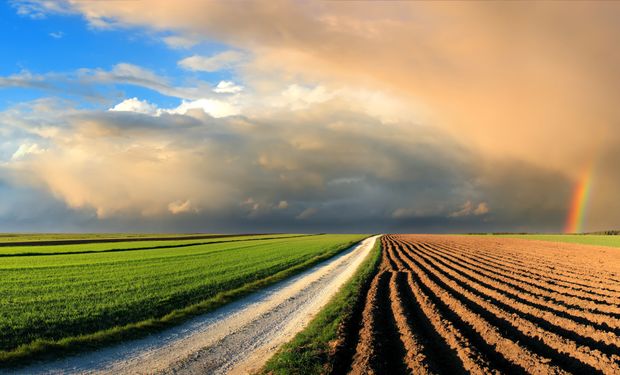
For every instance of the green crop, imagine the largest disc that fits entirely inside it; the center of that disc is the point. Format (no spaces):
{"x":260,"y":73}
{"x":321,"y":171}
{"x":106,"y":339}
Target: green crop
{"x":584,"y":239}
{"x":52,"y":298}
{"x":19,"y":237}
{"x":125,"y":245}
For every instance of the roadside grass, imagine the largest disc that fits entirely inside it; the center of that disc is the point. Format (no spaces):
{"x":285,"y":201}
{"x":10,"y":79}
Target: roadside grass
{"x":584,"y":239}
{"x":310,"y":351}
{"x":60,"y":304}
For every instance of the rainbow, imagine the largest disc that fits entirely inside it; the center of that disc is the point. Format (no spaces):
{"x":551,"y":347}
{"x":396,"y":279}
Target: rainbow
{"x":579,"y":202}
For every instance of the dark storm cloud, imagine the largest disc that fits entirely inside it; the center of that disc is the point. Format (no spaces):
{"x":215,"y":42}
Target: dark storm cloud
{"x":318,"y":169}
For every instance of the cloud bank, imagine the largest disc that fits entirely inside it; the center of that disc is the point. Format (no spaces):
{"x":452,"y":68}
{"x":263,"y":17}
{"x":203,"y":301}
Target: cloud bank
{"x":315,"y":168}
{"x":357,"y":116}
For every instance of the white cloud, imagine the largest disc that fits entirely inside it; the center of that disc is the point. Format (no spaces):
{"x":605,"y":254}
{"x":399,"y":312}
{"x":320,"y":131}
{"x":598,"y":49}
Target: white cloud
{"x":39,"y":9}
{"x":222,"y":60}
{"x":482,"y":209}
{"x":212,"y":107}
{"x":468,"y":209}
{"x":24,"y":79}
{"x":180,"y":42}
{"x":179,"y":207}
{"x":227,"y":87}
{"x":136,"y":105}
{"x":296,"y":96}
{"x":26,"y":149}
{"x":57,"y":34}
{"x":93,"y":83}
{"x":122,"y":166}
{"x":136,"y":72}
{"x":126,"y":73}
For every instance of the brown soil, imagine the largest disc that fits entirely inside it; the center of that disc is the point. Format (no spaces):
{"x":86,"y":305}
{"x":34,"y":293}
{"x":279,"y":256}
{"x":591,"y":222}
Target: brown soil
{"x":466,"y":304}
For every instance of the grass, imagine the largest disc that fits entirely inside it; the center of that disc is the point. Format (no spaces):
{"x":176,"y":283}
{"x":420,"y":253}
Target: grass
{"x":19,"y":237}
{"x":309,"y":351}
{"x":19,"y":250}
{"x":65,"y":303}
{"x":584,"y":239}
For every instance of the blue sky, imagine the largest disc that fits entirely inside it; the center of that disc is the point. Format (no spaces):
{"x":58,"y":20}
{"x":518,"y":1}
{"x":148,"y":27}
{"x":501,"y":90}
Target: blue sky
{"x":64,"y":43}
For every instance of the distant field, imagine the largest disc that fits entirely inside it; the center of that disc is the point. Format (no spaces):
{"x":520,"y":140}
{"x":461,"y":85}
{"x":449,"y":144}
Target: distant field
{"x":584,"y":239}
{"x":128,"y":245}
{"x":48,"y":300}
{"x":10,"y":239}
{"x":17,"y":237}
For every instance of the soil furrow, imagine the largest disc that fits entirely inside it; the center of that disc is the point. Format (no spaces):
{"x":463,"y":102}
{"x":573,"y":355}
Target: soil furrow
{"x":606,"y":342}
{"x":471,"y":304}
{"x":469,"y":356}
{"x":440,"y":356}
{"x":380,"y":350}
{"x":564,"y":352}
{"x":415,"y":359}
{"x":395,"y":262}
{"x":592,"y":320}
{"x":597,"y":280}
{"x":582,"y":302}
{"x":527,"y":269}
{"x":508,"y":346}
{"x":493,"y":361}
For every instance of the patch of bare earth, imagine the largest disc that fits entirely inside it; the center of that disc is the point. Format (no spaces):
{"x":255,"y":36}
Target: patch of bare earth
{"x":465,"y":304}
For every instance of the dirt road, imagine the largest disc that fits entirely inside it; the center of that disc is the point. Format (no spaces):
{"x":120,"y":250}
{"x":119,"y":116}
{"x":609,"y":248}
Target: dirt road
{"x":236,"y":338}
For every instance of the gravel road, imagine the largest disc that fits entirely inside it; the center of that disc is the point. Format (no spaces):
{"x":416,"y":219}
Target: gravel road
{"x":235,"y":339}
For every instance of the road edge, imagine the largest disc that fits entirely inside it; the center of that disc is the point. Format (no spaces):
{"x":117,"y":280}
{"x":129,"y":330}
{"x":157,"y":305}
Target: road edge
{"x":312,"y":351}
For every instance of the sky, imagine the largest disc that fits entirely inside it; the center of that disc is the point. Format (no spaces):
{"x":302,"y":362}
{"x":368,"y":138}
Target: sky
{"x":290,"y":116}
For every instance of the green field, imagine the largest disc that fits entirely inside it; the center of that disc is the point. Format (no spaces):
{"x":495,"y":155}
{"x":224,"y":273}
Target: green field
{"x":53,"y":302}
{"x":18,"y":237}
{"x":584,"y":239}
{"x":126,"y":245}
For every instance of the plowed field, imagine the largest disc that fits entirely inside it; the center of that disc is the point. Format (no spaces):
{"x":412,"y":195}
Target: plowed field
{"x":465,"y":304}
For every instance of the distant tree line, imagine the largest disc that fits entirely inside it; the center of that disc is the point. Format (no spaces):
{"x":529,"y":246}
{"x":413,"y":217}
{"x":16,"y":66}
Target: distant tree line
{"x":607,"y":232}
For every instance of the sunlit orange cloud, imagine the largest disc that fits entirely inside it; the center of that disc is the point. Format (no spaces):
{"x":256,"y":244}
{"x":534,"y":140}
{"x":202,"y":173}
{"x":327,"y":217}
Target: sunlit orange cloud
{"x":532,"y":82}
{"x":507,"y":78}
